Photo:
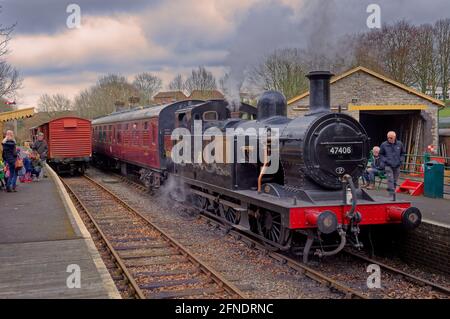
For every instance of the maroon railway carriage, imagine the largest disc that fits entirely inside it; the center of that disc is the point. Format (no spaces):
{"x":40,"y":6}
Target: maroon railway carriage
{"x":138,"y":141}
{"x":131,"y":140}
{"x":69,"y":142}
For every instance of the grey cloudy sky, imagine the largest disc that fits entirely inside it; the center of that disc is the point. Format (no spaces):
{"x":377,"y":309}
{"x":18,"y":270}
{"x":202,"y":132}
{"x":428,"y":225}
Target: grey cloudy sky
{"x":169,"y":37}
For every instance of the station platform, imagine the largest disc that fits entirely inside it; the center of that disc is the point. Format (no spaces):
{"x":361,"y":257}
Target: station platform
{"x":41,"y":236}
{"x":434,"y":210}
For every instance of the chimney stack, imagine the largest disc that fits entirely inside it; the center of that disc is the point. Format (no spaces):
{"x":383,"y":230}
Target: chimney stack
{"x":319,"y":91}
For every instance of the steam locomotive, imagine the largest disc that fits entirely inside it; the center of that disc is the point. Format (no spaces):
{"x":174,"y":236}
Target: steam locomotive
{"x":310,"y":201}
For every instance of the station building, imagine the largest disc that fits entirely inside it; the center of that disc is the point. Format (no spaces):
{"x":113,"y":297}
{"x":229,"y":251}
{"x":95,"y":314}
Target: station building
{"x":381,"y":105}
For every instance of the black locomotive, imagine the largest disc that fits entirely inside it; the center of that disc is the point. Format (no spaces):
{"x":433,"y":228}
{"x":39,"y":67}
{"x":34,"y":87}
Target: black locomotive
{"x":311,"y":200}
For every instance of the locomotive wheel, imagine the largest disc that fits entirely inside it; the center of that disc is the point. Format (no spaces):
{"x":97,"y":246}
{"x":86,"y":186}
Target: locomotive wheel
{"x":213,"y":207}
{"x":270,"y":227}
{"x":230,"y":214}
{"x":200,"y":201}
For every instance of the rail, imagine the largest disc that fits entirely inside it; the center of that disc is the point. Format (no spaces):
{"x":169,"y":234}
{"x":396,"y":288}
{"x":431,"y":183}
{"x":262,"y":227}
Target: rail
{"x":310,"y":272}
{"x":212,"y":282}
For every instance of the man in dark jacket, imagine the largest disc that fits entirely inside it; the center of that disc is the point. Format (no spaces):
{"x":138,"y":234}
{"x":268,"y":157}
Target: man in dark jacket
{"x":9,"y":157}
{"x":392,"y":154}
{"x":41,"y":147}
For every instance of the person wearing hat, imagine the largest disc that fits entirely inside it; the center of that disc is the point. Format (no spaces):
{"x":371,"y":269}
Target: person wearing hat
{"x":41,"y":147}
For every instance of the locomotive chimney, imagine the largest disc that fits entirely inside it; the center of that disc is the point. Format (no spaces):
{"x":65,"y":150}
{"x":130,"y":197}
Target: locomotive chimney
{"x":319,"y":91}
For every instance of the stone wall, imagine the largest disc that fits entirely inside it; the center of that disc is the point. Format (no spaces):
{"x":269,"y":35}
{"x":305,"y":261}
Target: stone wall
{"x":428,"y":245}
{"x":361,"y":88}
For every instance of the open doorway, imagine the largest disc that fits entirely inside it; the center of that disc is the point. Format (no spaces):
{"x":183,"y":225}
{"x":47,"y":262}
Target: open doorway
{"x":408,"y":125}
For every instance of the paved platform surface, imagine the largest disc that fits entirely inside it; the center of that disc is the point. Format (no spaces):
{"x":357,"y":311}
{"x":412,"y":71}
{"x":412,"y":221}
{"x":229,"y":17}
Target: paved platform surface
{"x":39,"y":239}
{"x":433,"y":209}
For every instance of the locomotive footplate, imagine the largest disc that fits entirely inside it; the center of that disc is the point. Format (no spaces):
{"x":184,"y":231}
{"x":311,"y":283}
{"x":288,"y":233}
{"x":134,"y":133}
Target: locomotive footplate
{"x":311,"y":213}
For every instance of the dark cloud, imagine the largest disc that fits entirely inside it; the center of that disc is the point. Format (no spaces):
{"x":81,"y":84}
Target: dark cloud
{"x":49,"y":16}
{"x":267,"y":25}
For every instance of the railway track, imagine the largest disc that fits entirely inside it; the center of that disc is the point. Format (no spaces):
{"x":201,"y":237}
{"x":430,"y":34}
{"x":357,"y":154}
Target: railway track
{"x":409,"y":277}
{"x":313,"y":273}
{"x":309,"y":272}
{"x":144,"y":261}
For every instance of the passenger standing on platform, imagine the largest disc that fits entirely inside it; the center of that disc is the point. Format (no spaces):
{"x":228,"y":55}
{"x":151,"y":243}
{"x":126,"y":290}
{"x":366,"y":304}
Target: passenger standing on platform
{"x":10,"y":157}
{"x":392,"y":154}
{"x":41,"y":147}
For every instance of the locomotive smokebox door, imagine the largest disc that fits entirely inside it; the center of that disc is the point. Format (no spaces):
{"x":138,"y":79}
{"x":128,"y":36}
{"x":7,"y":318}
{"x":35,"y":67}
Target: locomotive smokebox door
{"x":335,"y":144}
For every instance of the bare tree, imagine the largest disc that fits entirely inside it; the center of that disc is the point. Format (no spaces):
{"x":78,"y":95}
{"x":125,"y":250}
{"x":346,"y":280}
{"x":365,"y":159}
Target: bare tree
{"x":398,"y":41}
{"x":424,"y":69}
{"x":10,"y":80}
{"x":368,"y":50}
{"x":200,"y":79}
{"x":442,"y":37}
{"x":54,"y":103}
{"x":148,"y":85}
{"x":284,"y":71}
{"x":223,"y":83}
{"x":177,"y":84}
{"x":101,"y":98}
{"x":388,"y":50}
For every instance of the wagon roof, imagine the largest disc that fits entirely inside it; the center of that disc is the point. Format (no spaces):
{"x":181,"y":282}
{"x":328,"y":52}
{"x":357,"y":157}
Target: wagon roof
{"x":58,"y":119}
{"x":131,"y":115}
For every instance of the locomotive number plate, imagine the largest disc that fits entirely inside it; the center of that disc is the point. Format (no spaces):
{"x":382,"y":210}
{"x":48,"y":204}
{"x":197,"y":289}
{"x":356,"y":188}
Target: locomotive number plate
{"x":340,"y":150}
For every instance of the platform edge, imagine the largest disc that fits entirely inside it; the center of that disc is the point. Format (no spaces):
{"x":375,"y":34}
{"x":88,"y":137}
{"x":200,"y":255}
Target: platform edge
{"x":81,"y":230}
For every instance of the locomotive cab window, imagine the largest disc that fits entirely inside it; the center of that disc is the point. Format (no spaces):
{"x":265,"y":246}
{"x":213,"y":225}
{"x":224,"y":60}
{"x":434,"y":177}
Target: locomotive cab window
{"x":182,"y":120}
{"x":210,"y":116}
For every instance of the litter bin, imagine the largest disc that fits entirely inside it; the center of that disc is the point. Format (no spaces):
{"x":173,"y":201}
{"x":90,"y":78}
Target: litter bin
{"x":434,"y":180}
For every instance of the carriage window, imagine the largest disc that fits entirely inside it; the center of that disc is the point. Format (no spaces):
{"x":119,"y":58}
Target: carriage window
{"x":145,"y":125}
{"x":210,"y":116}
{"x":197,"y":116}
